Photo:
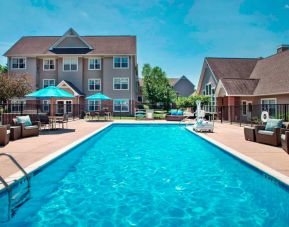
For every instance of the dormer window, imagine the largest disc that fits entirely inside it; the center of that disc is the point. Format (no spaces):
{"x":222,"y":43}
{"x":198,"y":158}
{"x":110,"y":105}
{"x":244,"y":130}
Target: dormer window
{"x":70,"y":64}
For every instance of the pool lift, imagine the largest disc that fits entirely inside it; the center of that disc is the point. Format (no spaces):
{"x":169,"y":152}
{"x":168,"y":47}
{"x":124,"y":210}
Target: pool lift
{"x":16,"y":200}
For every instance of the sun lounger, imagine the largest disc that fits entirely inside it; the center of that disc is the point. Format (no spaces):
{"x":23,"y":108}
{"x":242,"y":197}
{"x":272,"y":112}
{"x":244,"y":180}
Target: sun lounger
{"x":203,"y":126}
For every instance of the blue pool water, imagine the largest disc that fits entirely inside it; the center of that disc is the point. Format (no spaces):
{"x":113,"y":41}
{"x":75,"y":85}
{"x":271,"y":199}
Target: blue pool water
{"x":152,"y":175}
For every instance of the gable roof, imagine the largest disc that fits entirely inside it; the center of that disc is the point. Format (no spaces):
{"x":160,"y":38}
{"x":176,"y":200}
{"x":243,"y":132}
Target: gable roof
{"x":183,"y":77}
{"x":269,"y":76}
{"x":238,"y":86}
{"x":100,"y":45}
{"x":172,"y":81}
{"x":273,"y":74}
{"x":232,"y":67}
{"x":74,"y":89}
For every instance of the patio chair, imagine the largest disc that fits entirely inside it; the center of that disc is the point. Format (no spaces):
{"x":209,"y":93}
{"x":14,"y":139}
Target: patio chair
{"x":94,"y":114}
{"x":269,"y":134}
{"x":44,"y":121}
{"x":4,"y":134}
{"x":63,"y":120}
{"x":175,"y":115}
{"x":28,"y":130}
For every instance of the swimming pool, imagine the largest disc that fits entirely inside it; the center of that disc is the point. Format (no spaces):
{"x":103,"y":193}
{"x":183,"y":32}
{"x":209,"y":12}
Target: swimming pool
{"x":152,"y":175}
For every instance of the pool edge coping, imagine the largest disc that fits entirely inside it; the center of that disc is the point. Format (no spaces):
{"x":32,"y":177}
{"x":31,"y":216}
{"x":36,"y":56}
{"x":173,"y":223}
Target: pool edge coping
{"x":252,"y":162}
{"x":13,"y":178}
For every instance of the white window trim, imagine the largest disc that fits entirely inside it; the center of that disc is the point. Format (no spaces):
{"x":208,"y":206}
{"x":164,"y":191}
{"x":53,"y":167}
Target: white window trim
{"x":121,"y":110}
{"x":94,"y":89}
{"x":120,"y":88}
{"x":48,"y":59}
{"x":94,"y":101}
{"x":70,"y":64}
{"x":18,"y":58}
{"x":247,"y":106}
{"x":89,"y":64}
{"x":64,"y":103}
{"x":47,"y":79}
{"x":275,"y":99}
{"x":120,"y":63}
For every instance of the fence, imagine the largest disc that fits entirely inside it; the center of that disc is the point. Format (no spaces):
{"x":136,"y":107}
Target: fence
{"x":251,"y":114}
{"x":74,"y":111}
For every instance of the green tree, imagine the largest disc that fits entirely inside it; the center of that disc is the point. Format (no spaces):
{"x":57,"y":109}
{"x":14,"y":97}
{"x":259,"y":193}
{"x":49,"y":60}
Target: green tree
{"x":3,"y":69}
{"x":13,"y":86}
{"x":191,"y":101}
{"x":156,"y":87}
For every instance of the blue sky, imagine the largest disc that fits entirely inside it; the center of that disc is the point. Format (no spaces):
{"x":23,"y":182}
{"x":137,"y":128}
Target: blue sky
{"x":175,"y":35}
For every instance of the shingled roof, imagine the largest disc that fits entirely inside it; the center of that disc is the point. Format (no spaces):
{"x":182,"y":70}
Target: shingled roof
{"x":101,"y":45}
{"x":232,"y":67}
{"x":251,"y":76}
{"x":172,"y":81}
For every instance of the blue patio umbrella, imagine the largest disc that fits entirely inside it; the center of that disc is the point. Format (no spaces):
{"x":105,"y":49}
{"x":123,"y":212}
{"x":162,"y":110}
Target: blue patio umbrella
{"x":98,"y":96}
{"x":50,"y":92}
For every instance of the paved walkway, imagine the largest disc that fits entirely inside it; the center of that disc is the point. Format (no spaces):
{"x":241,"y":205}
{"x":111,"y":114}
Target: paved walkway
{"x":30,"y":150}
{"x":233,"y":137}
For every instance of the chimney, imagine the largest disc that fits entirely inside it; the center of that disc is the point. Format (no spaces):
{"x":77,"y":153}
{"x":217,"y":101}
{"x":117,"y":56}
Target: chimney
{"x":282,"y":47}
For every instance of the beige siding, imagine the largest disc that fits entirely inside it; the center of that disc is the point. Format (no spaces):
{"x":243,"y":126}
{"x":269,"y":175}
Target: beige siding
{"x":91,"y":74}
{"x":51,"y":74}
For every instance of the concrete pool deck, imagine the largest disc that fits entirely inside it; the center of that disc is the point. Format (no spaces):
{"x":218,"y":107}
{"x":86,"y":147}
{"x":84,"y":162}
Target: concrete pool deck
{"x":31,"y":150}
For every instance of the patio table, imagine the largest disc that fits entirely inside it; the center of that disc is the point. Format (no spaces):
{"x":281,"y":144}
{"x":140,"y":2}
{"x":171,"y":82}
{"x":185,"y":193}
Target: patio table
{"x":53,"y":120}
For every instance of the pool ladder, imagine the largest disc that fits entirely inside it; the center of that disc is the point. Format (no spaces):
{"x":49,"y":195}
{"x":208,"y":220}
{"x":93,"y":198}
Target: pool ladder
{"x":12,"y":206}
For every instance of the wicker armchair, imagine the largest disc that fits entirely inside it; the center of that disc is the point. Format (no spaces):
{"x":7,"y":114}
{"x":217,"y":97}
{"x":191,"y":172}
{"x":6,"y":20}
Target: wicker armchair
{"x":4,"y":134}
{"x":268,"y":137}
{"x":27,"y":131}
{"x":285,"y":139}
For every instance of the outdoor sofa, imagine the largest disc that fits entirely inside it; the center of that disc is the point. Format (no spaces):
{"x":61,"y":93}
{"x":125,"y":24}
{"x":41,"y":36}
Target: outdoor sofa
{"x":4,"y":134}
{"x":269,"y":134}
{"x":27,"y":129}
{"x":175,"y":115}
{"x":285,"y":139}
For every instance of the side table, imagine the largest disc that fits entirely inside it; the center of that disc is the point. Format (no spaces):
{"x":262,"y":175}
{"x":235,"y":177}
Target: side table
{"x":15,"y":132}
{"x":249,"y":133}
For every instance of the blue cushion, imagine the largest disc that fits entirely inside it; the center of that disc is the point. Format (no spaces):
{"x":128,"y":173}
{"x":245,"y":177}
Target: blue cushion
{"x":273,"y":123}
{"x":24,"y":120}
{"x":173,"y":112}
{"x":180,"y":112}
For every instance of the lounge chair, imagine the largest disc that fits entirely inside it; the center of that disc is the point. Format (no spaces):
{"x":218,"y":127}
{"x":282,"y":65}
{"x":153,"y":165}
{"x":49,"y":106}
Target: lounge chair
{"x":31,"y":129}
{"x":140,"y":114}
{"x":4,"y":134}
{"x":269,"y":134}
{"x":202,"y":125}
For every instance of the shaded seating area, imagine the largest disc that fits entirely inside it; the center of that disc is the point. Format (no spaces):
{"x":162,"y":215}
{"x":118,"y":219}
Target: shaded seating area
{"x":175,"y":115}
{"x":101,"y":112}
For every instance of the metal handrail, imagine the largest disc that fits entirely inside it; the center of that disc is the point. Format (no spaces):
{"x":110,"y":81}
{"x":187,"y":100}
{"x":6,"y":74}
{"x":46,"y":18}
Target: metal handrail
{"x":7,"y":186}
{"x":19,"y":167}
{"x":9,"y":190}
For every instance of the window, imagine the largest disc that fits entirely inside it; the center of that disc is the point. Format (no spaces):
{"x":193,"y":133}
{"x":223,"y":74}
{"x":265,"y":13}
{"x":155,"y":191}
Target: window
{"x":120,"y":62}
{"x":70,"y":64}
{"x":94,"y":64}
{"x":94,"y":105}
{"x":45,"y":106}
{"x":210,"y":91}
{"x":94,"y":84}
{"x":48,"y":64}
{"x":68,"y":106}
{"x":48,"y":82}
{"x":244,"y":107}
{"x":17,"y":106}
{"x":269,"y":105}
{"x":18,"y":63}
{"x":120,"y":105}
{"x":139,"y":98}
{"x":120,"y":83}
